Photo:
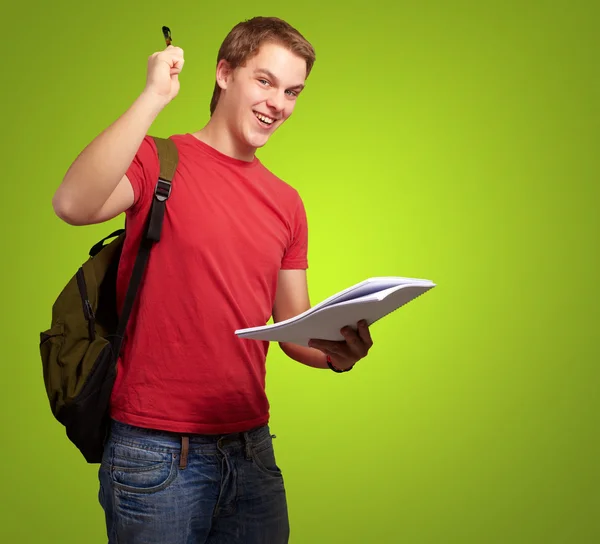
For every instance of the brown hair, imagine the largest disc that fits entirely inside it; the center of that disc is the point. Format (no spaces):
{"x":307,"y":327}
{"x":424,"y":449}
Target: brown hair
{"x":245,"y":38}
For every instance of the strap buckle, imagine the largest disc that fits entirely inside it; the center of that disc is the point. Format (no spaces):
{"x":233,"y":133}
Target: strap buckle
{"x":162,"y":190}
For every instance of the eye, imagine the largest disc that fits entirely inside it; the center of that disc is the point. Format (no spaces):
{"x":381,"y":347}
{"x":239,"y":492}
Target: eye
{"x":263,"y":81}
{"x":292,"y":93}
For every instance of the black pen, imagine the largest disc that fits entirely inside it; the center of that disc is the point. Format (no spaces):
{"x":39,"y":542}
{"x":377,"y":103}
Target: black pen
{"x":167,"y":34}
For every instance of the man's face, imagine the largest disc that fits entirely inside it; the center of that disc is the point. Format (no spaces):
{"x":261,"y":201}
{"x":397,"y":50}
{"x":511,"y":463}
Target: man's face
{"x":262,"y":94}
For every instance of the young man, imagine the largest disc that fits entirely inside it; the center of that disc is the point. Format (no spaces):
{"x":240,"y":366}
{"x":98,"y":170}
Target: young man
{"x":190,"y":456}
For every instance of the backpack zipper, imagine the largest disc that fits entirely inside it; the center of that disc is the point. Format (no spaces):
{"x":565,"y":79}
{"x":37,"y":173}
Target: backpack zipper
{"x":88,"y":312}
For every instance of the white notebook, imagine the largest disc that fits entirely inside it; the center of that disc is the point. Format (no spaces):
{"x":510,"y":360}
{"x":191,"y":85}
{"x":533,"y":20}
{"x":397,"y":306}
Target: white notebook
{"x":370,"y":299}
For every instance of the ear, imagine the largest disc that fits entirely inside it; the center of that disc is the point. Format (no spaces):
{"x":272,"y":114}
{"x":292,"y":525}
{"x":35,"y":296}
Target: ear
{"x":224,"y":73}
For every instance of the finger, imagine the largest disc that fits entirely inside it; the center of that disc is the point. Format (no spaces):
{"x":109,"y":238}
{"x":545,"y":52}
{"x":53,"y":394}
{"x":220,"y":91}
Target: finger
{"x":364,"y":333}
{"x":176,"y":68}
{"x":169,"y":53}
{"x":354,"y":341}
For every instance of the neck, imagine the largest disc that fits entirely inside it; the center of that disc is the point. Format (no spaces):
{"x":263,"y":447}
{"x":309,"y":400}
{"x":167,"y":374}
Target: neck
{"x":218,"y":135}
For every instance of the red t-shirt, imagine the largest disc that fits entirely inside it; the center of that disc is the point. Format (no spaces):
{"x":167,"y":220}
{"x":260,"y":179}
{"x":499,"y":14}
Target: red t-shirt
{"x":229,"y":227}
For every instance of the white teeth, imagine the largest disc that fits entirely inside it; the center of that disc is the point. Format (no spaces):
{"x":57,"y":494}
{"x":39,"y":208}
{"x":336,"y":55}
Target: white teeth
{"x":267,"y":120}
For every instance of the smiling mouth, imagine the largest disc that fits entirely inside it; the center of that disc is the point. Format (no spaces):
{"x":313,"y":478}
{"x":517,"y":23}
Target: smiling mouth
{"x":264,"y":120}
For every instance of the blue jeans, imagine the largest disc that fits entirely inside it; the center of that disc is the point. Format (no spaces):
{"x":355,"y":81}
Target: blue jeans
{"x":161,"y":488}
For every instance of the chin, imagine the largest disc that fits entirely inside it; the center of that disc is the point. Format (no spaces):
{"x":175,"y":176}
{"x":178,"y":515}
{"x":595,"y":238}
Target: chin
{"x":256,"y":141}
{"x":260,"y":143}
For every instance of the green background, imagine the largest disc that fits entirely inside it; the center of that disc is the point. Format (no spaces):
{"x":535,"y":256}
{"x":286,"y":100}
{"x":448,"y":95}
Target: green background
{"x":453,"y":141}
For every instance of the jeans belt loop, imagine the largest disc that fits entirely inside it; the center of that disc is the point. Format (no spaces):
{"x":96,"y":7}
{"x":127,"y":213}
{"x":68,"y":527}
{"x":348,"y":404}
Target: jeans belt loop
{"x":248,"y":444}
{"x":185,"y":446}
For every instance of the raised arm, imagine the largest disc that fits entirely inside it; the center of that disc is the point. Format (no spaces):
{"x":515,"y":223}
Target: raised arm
{"x":95,"y":187}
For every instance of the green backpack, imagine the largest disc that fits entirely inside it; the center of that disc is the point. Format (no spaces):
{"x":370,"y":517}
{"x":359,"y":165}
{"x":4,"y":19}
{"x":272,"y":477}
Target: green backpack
{"x":79,"y":351}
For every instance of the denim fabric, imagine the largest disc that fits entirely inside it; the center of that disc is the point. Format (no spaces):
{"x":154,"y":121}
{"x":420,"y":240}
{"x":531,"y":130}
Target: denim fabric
{"x":230,"y":492}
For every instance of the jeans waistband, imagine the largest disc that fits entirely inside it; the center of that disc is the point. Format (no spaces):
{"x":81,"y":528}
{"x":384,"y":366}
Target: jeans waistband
{"x":125,"y":431}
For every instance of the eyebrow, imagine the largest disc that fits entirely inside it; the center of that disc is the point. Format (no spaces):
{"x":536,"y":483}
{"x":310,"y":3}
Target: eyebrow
{"x":272,"y":76}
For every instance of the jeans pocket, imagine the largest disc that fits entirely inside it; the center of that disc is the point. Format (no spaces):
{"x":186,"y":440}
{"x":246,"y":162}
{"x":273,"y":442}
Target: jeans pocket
{"x":138,"y":470}
{"x":263,"y":455}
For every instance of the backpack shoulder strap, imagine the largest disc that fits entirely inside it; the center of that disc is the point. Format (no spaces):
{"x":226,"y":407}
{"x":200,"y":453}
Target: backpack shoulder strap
{"x":168,"y":157}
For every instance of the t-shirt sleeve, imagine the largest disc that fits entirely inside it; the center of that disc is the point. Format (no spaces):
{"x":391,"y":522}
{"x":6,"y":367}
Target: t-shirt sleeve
{"x":296,"y":255}
{"x":143,"y":173}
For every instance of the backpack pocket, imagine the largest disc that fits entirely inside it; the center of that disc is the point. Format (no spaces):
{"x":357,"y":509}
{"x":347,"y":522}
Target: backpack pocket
{"x":51,"y":343}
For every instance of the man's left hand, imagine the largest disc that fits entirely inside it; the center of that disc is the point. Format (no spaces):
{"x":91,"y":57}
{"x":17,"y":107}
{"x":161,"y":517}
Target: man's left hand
{"x":353,"y":348}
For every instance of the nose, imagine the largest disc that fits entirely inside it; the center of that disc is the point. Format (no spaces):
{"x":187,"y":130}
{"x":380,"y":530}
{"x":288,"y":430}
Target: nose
{"x":276,"y":102}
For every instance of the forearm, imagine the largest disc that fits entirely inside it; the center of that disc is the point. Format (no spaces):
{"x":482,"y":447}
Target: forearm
{"x":97,"y":171}
{"x":307,"y":356}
